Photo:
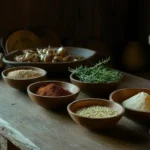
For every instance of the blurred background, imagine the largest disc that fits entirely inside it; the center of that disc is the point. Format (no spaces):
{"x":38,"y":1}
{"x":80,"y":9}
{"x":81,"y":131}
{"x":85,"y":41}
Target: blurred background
{"x":116,"y":28}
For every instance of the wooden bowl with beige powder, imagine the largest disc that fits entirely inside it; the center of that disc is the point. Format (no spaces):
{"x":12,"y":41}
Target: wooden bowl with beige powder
{"x":136,"y":111}
{"x":95,"y":113}
{"x":20,"y":77}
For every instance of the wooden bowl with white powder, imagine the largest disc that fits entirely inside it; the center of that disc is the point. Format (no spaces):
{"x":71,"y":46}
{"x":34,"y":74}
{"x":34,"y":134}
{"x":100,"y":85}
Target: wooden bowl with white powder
{"x":20,"y":77}
{"x":136,"y":102}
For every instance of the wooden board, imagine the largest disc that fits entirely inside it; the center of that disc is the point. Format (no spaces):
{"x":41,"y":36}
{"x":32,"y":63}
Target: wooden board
{"x":22,"y":39}
{"x":16,"y":138}
{"x":3,"y":143}
{"x":56,"y":131}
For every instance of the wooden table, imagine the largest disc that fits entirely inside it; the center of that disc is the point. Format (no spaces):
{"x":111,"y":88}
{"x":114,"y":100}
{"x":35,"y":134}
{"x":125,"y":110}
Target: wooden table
{"x":56,"y":131}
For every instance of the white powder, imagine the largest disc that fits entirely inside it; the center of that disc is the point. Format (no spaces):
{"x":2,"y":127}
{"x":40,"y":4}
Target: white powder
{"x":140,"y":101}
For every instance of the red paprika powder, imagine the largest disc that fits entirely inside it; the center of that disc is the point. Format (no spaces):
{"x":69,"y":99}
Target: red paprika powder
{"x":52,"y":90}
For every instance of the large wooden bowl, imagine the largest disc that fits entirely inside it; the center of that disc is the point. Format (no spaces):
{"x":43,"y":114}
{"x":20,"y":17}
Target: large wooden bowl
{"x":138,"y":116}
{"x":94,"y":89}
{"x":98,"y":123}
{"x":53,"y":102}
{"x":22,"y":84}
{"x":57,"y":66}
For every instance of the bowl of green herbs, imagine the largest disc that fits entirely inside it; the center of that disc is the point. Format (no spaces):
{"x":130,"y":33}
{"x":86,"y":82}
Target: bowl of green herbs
{"x":98,"y":80}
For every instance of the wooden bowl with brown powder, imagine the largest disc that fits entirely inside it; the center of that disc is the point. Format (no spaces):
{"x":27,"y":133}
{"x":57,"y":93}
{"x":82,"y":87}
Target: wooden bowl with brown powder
{"x":52,"y":100}
{"x":20,"y":77}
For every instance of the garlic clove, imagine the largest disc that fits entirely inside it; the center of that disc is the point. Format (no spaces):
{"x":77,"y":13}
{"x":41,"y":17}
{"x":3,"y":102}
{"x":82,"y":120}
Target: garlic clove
{"x":42,"y":57}
{"x":28,"y":56}
{"x":61,"y":51}
{"x":44,"y":51}
{"x":47,"y":58}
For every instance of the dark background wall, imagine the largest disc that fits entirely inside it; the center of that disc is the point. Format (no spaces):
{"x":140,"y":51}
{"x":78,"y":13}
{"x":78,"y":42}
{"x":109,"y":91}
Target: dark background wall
{"x":104,"y":25}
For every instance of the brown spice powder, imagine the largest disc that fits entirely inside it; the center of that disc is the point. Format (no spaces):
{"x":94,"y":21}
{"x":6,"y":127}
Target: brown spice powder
{"x":52,"y":90}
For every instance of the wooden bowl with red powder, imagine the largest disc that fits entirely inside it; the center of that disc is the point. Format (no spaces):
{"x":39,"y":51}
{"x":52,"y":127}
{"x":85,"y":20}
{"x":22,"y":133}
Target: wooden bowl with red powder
{"x":53,"y":94}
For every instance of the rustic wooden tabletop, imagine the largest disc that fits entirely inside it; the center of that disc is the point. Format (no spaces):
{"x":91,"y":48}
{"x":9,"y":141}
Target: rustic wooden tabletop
{"x":56,"y":130}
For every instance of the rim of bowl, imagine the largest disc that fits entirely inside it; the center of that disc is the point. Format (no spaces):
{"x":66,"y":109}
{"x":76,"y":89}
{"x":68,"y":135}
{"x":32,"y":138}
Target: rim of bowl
{"x":22,"y":67}
{"x":139,"y":111}
{"x":97,"y":99}
{"x":72,"y":78}
{"x":55,"y":81}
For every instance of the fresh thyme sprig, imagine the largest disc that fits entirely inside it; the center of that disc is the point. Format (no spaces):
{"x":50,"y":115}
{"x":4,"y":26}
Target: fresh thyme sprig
{"x":99,"y":73}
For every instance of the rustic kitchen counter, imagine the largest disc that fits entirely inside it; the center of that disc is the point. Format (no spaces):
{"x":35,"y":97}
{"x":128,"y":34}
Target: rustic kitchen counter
{"x":56,"y":130}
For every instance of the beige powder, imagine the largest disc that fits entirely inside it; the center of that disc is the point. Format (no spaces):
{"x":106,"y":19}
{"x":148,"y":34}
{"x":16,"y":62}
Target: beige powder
{"x":140,"y":101}
{"x":23,"y":74}
{"x":96,"y":112}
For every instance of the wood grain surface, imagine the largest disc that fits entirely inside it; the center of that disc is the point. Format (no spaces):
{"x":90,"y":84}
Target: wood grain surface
{"x":56,"y":131}
{"x":15,"y":137}
{"x":3,"y":143}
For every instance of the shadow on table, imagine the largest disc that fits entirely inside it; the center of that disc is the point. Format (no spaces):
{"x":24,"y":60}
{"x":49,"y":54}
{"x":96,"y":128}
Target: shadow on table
{"x":59,"y":114}
{"x":119,"y":132}
{"x":124,"y":134}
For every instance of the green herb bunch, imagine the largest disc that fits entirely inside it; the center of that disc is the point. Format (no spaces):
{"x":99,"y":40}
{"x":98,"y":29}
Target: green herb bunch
{"x":99,"y":73}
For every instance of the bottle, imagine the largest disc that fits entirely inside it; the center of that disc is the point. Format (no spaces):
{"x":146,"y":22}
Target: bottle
{"x":134,"y":57}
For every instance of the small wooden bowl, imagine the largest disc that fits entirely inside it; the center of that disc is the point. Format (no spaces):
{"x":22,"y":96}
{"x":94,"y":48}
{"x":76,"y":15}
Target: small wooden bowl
{"x":22,"y":84}
{"x":136,"y":115}
{"x":98,"y":123}
{"x":53,"y":102}
{"x":94,"y":89}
